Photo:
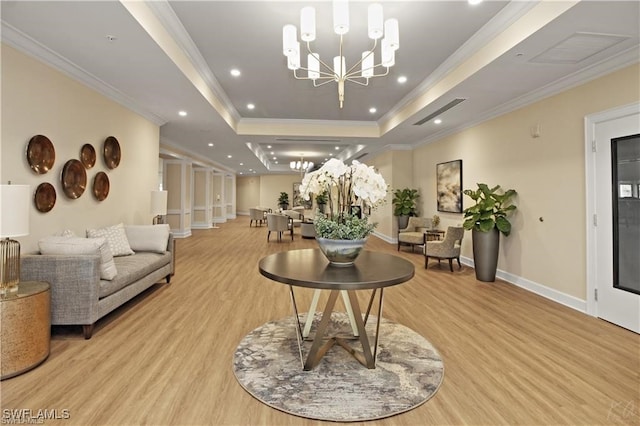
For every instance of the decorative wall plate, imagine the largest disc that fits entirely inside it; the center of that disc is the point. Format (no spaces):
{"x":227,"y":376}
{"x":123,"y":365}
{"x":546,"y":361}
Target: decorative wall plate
{"x":112,"y":152}
{"x":74,"y":178}
{"x":101,"y":186}
{"x":45,"y":197}
{"x":88,"y":155}
{"x":40,"y":154}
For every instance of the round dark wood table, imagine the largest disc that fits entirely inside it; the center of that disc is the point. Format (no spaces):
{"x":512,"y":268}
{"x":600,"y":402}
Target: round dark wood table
{"x":309,"y":268}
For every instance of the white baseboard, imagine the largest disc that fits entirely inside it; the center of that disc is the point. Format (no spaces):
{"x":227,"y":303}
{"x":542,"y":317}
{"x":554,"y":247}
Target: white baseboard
{"x":184,"y":234}
{"x":385,"y":238}
{"x":539,"y":289}
{"x":201,"y":226}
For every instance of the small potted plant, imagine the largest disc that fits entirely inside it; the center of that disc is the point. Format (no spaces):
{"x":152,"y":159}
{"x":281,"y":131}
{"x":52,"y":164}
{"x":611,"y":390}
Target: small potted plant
{"x":404,"y":205}
{"x":435,"y":221}
{"x":321,"y":201}
{"x":283,"y":201}
{"x":487,"y":218}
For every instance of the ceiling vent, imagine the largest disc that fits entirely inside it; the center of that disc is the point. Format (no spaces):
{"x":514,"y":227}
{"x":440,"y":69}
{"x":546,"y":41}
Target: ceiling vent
{"x":439,"y":112}
{"x":578,"y":47}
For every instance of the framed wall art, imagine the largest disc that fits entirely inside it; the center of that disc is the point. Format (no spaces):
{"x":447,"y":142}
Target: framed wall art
{"x":297,"y":198}
{"x":449,"y":186}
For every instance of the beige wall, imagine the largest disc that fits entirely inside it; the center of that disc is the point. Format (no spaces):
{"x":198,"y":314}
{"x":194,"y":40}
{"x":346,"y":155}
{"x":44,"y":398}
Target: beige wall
{"x":37,"y":99}
{"x":548,"y":172}
{"x":272,"y":185}
{"x":248,"y":193}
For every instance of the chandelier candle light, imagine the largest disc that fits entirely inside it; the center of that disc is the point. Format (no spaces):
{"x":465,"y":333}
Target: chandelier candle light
{"x":364,"y":69}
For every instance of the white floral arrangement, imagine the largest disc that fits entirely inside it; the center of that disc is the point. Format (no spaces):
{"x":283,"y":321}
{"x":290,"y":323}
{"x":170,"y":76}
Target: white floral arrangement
{"x":346,"y":186}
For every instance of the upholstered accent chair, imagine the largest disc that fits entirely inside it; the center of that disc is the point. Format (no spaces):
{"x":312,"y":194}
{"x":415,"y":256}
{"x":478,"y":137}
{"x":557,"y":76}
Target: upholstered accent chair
{"x":413,"y":234}
{"x":279,"y":223}
{"x":256,"y":215}
{"x":448,"y":248}
{"x":296,"y":216}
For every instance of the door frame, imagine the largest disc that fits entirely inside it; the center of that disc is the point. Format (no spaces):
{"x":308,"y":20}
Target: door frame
{"x":590,"y":123}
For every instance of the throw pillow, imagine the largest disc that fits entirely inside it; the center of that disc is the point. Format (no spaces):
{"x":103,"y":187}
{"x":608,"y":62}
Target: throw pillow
{"x":153,"y":238}
{"x":83,"y":246}
{"x":115,"y":236}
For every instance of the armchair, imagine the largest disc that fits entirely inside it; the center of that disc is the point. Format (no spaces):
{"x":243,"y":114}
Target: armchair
{"x":257,"y":215}
{"x":279,"y":223}
{"x":296,"y":216}
{"x":448,"y":248}
{"x":413,"y":234}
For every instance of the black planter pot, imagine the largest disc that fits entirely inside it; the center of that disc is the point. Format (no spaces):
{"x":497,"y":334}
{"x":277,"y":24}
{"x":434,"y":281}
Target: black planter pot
{"x":485,"y":254}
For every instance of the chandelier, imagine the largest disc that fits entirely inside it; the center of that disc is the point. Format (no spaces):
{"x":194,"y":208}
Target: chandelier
{"x":365,"y":68}
{"x":302,"y":166}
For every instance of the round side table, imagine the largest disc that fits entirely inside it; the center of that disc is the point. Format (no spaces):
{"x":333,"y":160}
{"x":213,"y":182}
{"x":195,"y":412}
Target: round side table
{"x":25,"y":320}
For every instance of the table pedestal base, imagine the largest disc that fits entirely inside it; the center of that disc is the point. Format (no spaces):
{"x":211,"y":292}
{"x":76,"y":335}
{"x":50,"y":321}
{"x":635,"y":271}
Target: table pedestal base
{"x":319,"y":346}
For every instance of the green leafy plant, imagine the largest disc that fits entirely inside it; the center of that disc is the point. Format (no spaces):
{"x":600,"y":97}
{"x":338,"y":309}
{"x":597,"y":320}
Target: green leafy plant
{"x":322,"y":198}
{"x":283,"y":199}
{"x":404,"y":202}
{"x":349,"y":228}
{"x":490,"y":210}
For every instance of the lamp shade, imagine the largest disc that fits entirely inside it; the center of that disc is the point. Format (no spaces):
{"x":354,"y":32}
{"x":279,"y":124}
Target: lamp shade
{"x":158,"y":203}
{"x":14,"y":210}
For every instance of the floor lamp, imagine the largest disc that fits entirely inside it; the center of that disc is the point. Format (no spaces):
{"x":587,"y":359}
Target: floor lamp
{"x":14,"y":222}
{"x":158,"y":206}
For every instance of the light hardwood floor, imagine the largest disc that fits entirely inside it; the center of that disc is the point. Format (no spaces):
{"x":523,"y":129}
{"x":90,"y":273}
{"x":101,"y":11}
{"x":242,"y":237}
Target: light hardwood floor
{"x":165,"y":358}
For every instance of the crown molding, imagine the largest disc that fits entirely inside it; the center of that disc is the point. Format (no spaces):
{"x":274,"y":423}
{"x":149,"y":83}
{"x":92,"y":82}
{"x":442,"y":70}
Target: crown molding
{"x":499,"y":23}
{"x":623,"y":59}
{"x":171,"y":148}
{"x":22,"y":42}
{"x":168,"y":18}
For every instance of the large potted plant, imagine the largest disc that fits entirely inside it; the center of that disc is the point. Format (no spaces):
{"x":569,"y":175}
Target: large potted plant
{"x":404,"y":205}
{"x":283,"y":201}
{"x":487,"y":218}
{"x":342,"y":235}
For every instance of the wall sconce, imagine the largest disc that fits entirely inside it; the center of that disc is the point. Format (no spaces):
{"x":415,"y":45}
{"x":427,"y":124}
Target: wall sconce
{"x":14,"y":222}
{"x":158,"y":206}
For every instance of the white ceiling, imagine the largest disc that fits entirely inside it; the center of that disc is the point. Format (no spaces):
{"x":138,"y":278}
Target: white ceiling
{"x":170,"y":56}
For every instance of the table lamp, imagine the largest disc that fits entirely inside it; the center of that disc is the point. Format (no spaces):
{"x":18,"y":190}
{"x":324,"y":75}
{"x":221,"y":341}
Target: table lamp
{"x":158,"y":205}
{"x":14,"y":222}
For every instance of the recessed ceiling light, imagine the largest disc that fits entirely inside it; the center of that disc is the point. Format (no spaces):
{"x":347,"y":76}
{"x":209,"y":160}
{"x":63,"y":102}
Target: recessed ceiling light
{"x":402,"y":79}
{"x":271,"y":152}
{"x":437,"y":121}
{"x":182,"y":113}
{"x":275,"y":158}
{"x":241,"y":173}
{"x":474,"y":1}
{"x":210,"y":144}
{"x":251,"y":106}
{"x":372,"y":110}
{"x":337,"y":148}
{"x":326,"y":159}
{"x":229,"y":156}
{"x":235,"y":72}
{"x":242,"y":164}
{"x":250,"y":170}
{"x":269,"y":146}
{"x":276,"y":162}
{"x":331,"y":154}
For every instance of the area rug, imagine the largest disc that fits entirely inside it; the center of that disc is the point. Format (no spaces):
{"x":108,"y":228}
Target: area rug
{"x":408,"y":372}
